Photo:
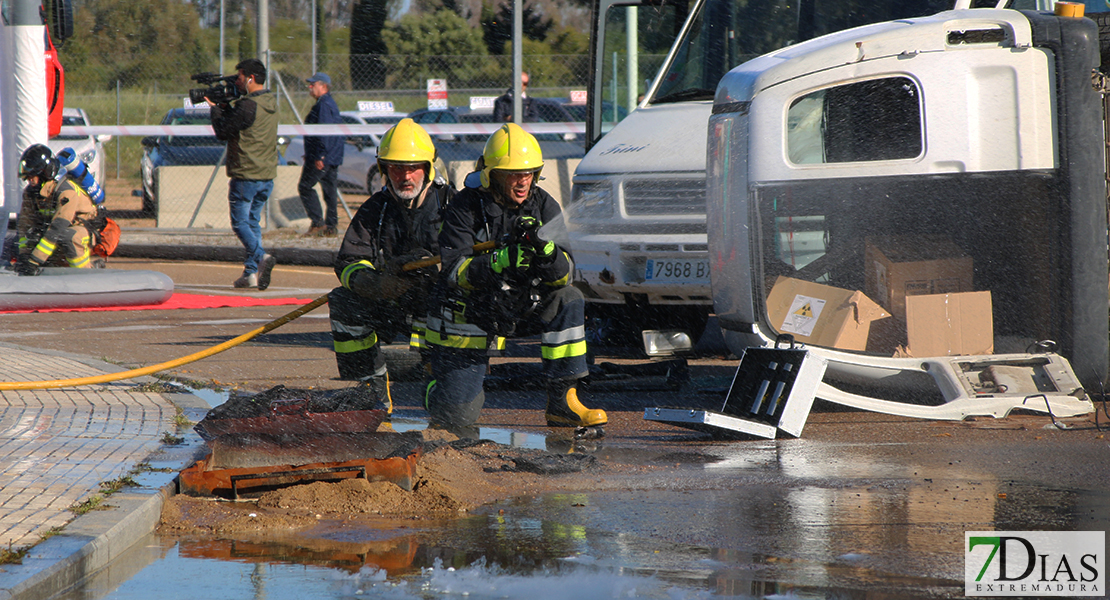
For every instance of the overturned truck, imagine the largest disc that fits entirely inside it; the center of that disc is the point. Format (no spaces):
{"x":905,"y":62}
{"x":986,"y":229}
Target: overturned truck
{"x":923,"y":204}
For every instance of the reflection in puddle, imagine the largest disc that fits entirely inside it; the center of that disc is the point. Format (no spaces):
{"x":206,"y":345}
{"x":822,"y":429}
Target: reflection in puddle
{"x":488,"y":556}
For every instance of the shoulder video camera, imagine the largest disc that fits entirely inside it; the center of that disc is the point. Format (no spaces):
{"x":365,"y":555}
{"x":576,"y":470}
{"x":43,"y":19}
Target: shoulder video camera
{"x":221,"y":88}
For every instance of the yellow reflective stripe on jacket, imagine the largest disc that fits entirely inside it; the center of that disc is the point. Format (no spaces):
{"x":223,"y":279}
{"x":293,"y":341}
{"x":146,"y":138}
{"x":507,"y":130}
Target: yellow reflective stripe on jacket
{"x":460,"y":274}
{"x":345,"y":276}
{"x":356,"y":345}
{"x":565,"y":351}
{"x":82,"y":262}
{"x":559,"y":282}
{"x":45,"y":246}
{"x":416,"y":337}
{"x":458,"y":335}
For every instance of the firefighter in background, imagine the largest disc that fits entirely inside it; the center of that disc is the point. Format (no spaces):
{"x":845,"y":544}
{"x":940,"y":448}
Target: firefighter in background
{"x":378,"y":300}
{"x":56,"y":214}
{"x":519,"y":288}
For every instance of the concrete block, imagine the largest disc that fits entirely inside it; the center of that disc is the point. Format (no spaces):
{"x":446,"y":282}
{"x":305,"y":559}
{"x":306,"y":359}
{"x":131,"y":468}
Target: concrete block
{"x":181,"y":190}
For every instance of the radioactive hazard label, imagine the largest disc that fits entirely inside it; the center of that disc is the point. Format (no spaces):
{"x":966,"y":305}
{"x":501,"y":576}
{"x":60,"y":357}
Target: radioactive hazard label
{"x":802,"y":316}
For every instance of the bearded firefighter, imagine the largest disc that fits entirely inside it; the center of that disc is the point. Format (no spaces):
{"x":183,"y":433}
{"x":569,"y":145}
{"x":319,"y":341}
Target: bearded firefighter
{"x":379,"y":299}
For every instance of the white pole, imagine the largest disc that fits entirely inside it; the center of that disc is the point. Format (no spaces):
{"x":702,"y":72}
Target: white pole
{"x":314,"y":8}
{"x":518,"y":58}
{"x":264,"y":34}
{"x":222,"y":54}
{"x":632,"y":71}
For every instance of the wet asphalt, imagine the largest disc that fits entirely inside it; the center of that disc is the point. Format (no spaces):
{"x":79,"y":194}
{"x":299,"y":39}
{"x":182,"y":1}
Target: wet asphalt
{"x":860,"y":501}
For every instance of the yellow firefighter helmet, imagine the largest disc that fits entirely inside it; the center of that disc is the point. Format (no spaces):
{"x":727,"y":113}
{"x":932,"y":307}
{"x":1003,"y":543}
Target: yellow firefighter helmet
{"x":407,"y":142}
{"x":511,"y":149}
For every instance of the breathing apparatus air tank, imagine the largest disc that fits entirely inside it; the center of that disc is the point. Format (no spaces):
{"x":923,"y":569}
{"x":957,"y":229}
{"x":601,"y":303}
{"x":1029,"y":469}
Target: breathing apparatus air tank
{"x":80,"y":173}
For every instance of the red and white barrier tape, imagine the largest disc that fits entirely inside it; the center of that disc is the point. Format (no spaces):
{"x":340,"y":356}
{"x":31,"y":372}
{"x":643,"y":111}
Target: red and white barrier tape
{"x":339,"y":129}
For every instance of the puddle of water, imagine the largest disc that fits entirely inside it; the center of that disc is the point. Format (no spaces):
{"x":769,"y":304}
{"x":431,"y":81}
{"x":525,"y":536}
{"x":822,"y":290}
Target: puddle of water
{"x":515,"y":439}
{"x":214,"y":398}
{"x":476,"y":558}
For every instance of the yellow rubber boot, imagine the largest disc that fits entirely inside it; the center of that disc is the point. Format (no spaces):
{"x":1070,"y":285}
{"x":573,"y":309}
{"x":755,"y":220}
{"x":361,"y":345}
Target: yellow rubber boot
{"x":565,"y":410}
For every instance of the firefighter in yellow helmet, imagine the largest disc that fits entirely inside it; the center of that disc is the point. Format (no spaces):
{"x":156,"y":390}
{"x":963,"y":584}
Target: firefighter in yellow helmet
{"x":519,"y":289}
{"x":57,"y":218}
{"x":377,"y":299}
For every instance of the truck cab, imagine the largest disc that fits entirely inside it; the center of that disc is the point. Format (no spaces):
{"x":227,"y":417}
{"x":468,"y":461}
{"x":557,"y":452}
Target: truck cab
{"x":637,"y":220}
{"x":938,"y":183}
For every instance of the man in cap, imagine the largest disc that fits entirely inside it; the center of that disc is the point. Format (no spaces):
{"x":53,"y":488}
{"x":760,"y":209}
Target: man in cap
{"x":378,"y":299}
{"x":519,"y":286}
{"x":322,"y":156}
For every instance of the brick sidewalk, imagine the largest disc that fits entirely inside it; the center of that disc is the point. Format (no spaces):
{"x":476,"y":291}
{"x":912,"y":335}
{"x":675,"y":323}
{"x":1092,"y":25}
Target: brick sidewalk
{"x":56,"y":446}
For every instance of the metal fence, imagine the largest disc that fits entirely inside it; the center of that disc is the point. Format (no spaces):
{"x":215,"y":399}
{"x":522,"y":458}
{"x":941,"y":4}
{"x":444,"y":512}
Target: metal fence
{"x":114,"y":95}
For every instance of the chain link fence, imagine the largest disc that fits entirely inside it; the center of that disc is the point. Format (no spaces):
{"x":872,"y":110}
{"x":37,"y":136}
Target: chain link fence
{"x":114,"y":90}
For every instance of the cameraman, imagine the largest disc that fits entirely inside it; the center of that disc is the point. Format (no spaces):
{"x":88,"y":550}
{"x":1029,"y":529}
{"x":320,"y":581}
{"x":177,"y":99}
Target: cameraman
{"x":249,"y":126}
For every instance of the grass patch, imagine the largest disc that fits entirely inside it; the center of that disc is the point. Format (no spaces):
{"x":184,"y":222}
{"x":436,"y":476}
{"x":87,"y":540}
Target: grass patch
{"x":98,"y":501}
{"x":170,"y":439}
{"x":180,"y":420}
{"x":9,"y":556}
{"x":53,"y":531}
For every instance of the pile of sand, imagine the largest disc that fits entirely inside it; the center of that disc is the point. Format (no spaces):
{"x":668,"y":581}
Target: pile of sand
{"x":452,"y":478}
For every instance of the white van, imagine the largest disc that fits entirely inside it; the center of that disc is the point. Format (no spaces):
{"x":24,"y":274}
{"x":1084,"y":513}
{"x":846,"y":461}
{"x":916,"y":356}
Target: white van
{"x":637,"y":221}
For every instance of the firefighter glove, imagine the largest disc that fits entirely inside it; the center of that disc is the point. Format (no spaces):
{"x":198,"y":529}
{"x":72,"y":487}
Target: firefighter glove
{"x":26,"y":266}
{"x":512,"y":260}
{"x":396,"y":265}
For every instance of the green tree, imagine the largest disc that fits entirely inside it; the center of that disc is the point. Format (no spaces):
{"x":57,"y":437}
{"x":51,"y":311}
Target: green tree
{"x":321,"y":35}
{"x":437,"y":46}
{"x":367,"y":46}
{"x":127,"y":41}
{"x":247,"y":47}
{"x":497,"y":27}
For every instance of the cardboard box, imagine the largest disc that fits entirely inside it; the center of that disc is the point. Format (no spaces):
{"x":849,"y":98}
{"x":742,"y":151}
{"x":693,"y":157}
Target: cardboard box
{"x":900,"y":266}
{"x":822,"y":315}
{"x":950,"y":324}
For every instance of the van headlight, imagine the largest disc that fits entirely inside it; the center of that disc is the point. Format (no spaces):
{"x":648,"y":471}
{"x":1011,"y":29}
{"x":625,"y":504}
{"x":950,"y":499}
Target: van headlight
{"x":88,"y":156}
{"x":592,"y":201}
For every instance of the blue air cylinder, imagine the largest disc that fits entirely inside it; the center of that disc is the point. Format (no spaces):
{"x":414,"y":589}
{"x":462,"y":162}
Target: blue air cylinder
{"x":80,"y":173}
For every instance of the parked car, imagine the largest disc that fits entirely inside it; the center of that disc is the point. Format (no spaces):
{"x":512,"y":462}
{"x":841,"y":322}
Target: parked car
{"x":171,"y":150}
{"x":469,"y":147}
{"x":89,"y":147}
{"x":359,"y":171}
{"x":179,"y":150}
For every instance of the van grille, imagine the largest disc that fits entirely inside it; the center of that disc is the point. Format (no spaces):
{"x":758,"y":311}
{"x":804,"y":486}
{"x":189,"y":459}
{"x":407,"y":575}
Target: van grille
{"x":664,"y":197}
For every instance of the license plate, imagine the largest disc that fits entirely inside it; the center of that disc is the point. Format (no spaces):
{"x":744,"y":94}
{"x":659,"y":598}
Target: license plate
{"x":676,"y":270}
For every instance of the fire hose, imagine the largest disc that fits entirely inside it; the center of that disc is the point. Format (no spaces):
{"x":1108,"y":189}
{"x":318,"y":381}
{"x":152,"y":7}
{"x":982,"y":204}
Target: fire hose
{"x":177,"y":362}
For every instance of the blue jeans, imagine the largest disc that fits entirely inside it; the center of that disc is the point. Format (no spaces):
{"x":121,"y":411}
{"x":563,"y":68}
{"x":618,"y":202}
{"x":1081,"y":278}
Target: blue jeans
{"x":246,"y":199}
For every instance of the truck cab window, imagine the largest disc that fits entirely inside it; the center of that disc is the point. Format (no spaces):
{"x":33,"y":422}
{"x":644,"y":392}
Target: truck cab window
{"x":863,"y":121}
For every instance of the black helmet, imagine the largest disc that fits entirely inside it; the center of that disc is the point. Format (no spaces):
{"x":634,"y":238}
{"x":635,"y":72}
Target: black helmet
{"x":39,"y":161}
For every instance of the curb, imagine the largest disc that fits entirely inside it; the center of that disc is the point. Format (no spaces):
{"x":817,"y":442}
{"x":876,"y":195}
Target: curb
{"x":285,"y":256}
{"x":89,"y":542}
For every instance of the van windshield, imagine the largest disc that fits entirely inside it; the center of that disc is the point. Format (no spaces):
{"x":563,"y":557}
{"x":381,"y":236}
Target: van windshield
{"x":727,"y":33}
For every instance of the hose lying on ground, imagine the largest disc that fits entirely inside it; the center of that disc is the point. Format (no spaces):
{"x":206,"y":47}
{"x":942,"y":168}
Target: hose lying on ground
{"x":184,"y":360}
{"x":59,"y":383}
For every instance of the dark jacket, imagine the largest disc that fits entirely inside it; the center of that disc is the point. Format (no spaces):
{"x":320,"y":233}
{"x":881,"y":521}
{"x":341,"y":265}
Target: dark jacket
{"x":503,"y":108}
{"x":249,"y":127}
{"x":475,"y":217}
{"x":382,"y":229}
{"x":328,"y":148}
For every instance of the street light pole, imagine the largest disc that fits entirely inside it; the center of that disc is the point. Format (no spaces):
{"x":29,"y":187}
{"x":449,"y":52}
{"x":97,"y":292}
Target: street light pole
{"x":518,"y":58}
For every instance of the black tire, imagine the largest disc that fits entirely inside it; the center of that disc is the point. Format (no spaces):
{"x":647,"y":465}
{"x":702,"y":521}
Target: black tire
{"x":149,"y":207}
